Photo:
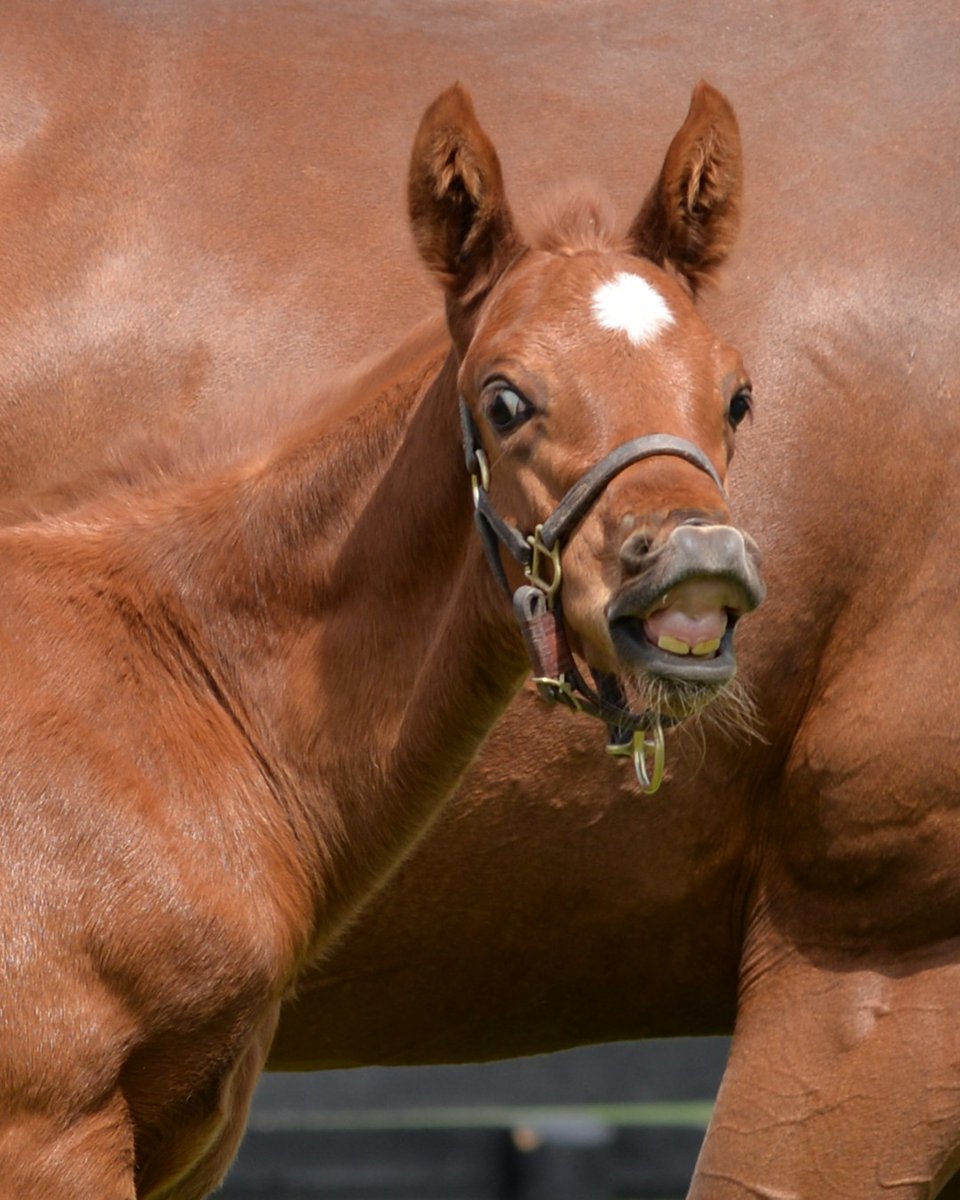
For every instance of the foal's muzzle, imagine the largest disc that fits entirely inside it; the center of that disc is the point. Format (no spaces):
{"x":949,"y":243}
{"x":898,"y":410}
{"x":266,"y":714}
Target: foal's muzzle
{"x":674,"y":619}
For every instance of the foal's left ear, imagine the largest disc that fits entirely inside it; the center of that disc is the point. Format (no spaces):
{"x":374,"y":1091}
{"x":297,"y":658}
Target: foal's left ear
{"x":691,"y":217}
{"x":459,"y":212}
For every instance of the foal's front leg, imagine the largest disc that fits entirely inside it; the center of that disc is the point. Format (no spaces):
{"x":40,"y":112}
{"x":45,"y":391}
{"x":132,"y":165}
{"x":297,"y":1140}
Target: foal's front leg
{"x":57,"y":1155}
{"x":191,"y":1160}
{"x":843,"y":1084}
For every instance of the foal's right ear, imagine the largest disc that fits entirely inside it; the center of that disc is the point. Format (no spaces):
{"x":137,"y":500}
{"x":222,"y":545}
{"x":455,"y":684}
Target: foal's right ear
{"x":459,"y":212}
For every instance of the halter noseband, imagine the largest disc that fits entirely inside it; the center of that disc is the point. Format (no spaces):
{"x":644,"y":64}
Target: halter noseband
{"x":536,"y":604}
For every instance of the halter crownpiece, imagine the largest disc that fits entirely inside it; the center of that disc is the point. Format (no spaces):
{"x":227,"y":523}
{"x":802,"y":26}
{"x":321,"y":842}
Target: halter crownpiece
{"x":536,"y":604}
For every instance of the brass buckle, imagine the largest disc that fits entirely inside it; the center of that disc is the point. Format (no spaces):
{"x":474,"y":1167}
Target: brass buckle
{"x":540,"y":555}
{"x":483,"y":483}
{"x":558,"y":691}
{"x":638,"y":748}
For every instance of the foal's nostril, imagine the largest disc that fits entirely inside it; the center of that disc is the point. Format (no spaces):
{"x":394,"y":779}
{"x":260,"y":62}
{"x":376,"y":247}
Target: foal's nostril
{"x":634,"y":551}
{"x":641,"y":543}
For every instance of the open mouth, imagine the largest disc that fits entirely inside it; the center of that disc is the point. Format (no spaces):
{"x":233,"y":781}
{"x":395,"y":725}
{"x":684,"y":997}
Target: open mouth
{"x":632,"y":644}
{"x":686,"y":634}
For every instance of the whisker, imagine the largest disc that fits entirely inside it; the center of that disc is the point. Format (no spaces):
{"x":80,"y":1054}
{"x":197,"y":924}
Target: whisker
{"x":706,"y":709}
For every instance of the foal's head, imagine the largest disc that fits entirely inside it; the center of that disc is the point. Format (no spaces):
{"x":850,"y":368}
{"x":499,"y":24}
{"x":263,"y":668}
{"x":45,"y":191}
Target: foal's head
{"x":577,"y":343}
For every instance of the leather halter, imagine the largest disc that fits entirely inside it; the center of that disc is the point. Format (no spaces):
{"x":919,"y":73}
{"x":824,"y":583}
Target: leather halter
{"x":537,"y":603}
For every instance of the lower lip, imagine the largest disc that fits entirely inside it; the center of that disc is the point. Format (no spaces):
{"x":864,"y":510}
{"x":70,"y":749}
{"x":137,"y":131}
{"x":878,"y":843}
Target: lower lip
{"x":633,"y":647}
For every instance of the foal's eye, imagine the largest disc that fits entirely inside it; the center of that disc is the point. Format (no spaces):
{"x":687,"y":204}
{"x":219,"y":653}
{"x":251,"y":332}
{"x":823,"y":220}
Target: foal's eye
{"x":740,"y":405}
{"x":507,"y":408}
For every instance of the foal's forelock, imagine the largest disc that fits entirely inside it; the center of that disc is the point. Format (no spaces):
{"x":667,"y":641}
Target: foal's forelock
{"x":571,"y":219}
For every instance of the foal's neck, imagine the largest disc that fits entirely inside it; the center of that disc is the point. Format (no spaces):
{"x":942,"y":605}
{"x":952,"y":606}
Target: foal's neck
{"x":344,"y":592}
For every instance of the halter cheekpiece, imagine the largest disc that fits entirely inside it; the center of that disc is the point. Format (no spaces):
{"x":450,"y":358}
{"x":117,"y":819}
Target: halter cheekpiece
{"x":536,"y":604}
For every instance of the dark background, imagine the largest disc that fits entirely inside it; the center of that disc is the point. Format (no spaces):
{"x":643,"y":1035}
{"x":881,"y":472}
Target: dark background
{"x":616,"y":1121}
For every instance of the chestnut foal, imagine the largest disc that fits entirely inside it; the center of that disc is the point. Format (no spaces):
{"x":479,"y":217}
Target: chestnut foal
{"x":231,"y":705}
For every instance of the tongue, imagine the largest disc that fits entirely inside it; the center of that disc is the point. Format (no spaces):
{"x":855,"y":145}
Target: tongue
{"x":691,"y":622}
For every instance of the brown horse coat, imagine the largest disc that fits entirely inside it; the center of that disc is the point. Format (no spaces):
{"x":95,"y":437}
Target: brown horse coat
{"x":193,"y":205}
{"x":231,"y":705}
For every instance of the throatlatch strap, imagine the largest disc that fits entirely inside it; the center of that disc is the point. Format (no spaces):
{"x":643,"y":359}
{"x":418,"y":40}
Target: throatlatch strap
{"x":471,"y":439}
{"x":493,"y":529}
{"x":491,"y":539}
{"x":509,"y":535}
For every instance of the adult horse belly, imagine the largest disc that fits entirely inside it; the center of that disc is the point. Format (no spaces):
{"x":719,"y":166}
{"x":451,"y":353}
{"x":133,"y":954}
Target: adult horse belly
{"x":550,"y":904}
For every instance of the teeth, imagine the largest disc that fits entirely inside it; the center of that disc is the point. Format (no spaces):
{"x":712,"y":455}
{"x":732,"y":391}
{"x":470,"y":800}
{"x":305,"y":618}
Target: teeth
{"x":673,"y":645}
{"x":701,"y":649}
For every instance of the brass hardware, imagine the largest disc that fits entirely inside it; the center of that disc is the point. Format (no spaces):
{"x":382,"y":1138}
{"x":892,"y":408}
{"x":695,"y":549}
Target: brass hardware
{"x":540,"y":555}
{"x":638,"y":748}
{"x":558,"y":691}
{"x":483,"y":483}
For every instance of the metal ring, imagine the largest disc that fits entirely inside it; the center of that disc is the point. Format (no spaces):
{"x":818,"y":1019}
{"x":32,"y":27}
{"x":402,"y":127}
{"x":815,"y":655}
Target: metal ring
{"x":649,"y":783}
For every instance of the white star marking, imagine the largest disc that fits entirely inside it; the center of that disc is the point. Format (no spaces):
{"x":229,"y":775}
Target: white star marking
{"x":629,"y":304}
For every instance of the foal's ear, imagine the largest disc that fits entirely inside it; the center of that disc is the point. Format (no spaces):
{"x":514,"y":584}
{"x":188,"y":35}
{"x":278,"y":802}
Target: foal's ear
{"x":691,"y":216}
{"x":458,"y":210}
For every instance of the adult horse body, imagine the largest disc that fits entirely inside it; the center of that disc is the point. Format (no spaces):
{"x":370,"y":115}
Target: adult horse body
{"x":180,"y":194}
{"x":188,"y":815}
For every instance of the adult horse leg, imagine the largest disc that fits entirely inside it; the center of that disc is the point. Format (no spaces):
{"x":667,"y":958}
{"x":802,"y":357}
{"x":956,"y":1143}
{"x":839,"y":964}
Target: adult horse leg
{"x":841,"y":1083}
{"x":843,"y":1079}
